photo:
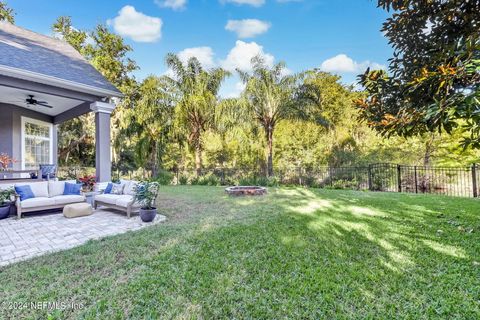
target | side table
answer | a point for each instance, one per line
(90, 196)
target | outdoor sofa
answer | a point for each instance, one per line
(122, 201)
(47, 195)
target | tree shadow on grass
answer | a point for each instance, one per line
(296, 253)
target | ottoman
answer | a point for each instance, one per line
(77, 210)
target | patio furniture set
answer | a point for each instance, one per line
(48, 195)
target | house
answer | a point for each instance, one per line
(44, 82)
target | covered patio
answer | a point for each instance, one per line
(43, 83)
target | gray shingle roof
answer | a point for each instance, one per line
(26, 50)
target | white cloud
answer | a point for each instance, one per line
(344, 64)
(237, 90)
(254, 3)
(241, 55)
(204, 54)
(248, 28)
(173, 4)
(136, 25)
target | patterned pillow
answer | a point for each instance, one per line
(117, 188)
(130, 188)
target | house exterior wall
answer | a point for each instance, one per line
(11, 131)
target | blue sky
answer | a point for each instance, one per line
(340, 36)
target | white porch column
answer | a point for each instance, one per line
(55, 145)
(103, 161)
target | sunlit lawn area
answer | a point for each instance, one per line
(295, 253)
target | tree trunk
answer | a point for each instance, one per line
(269, 151)
(155, 161)
(425, 183)
(428, 151)
(198, 159)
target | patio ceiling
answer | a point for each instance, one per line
(16, 96)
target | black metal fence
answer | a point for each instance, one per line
(386, 177)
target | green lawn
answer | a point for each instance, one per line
(296, 253)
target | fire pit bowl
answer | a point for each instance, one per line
(246, 191)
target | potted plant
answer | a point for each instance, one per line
(88, 182)
(5, 161)
(6, 196)
(145, 194)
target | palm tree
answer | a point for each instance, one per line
(149, 122)
(6, 13)
(268, 98)
(197, 105)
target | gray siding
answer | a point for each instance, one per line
(6, 131)
(11, 130)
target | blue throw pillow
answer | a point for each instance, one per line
(108, 189)
(72, 188)
(25, 192)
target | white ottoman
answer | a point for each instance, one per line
(77, 210)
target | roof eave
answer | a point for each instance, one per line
(62, 83)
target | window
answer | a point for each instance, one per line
(36, 143)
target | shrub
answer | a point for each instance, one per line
(164, 177)
(259, 181)
(195, 181)
(208, 180)
(183, 180)
(345, 184)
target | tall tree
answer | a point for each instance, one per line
(6, 13)
(150, 122)
(198, 102)
(268, 98)
(323, 99)
(108, 53)
(433, 79)
(76, 38)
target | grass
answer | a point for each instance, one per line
(296, 253)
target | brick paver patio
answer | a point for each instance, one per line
(38, 234)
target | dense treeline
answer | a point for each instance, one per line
(280, 122)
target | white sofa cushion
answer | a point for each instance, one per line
(107, 198)
(56, 188)
(124, 201)
(67, 199)
(39, 189)
(5, 186)
(37, 202)
(101, 186)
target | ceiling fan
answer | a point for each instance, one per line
(33, 102)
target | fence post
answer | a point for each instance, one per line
(370, 184)
(330, 172)
(399, 177)
(474, 180)
(416, 182)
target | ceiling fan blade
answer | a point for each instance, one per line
(42, 102)
(44, 105)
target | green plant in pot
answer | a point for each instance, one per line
(146, 194)
(6, 199)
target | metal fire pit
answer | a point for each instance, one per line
(246, 191)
